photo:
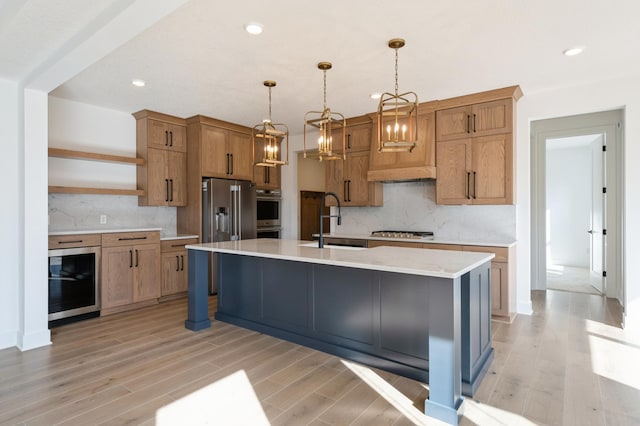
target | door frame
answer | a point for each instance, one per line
(609, 123)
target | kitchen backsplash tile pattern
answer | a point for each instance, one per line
(411, 206)
(80, 211)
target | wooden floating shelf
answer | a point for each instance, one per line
(101, 191)
(81, 155)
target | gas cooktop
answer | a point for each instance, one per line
(403, 234)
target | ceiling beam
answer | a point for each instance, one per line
(117, 24)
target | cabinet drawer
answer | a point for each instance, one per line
(176, 245)
(127, 238)
(502, 253)
(436, 246)
(378, 243)
(68, 241)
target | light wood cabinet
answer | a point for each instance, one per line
(130, 273)
(357, 136)
(161, 141)
(265, 177)
(418, 164)
(226, 154)
(174, 267)
(348, 180)
(486, 118)
(474, 146)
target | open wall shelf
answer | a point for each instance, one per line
(81, 155)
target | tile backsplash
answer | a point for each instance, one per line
(81, 211)
(411, 206)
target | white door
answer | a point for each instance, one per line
(598, 219)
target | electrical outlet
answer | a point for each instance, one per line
(103, 219)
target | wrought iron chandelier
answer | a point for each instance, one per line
(326, 124)
(272, 134)
(397, 115)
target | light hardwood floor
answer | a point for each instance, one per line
(567, 364)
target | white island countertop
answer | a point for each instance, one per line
(415, 261)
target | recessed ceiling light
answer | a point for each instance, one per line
(254, 28)
(138, 82)
(576, 50)
(375, 95)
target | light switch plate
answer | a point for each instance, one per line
(103, 219)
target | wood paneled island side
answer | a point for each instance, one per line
(424, 314)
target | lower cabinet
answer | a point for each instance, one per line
(174, 266)
(502, 272)
(130, 270)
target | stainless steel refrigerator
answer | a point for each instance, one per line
(228, 214)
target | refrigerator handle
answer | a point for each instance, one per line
(238, 211)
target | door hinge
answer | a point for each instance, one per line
(604, 232)
(619, 124)
(604, 148)
(604, 190)
(604, 274)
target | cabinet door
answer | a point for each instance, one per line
(117, 276)
(146, 275)
(490, 118)
(168, 136)
(492, 164)
(157, 178)
(334, 181)
(355, 177)
(174, 272)
(240, 148)
(453, 123)
(358, 137)
(454, 177)
(215, 160)
(177, 174)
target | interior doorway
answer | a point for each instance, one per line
(310, 202)
(574, 213)
(595, 217)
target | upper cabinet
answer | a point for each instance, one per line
(265, 177)
(417, 164)
(487, 118)
(474, 148)
(162, 142)
(348, 178)
(226, 153)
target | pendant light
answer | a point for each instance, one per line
(326, 125)
(271, 135)
(397, 115)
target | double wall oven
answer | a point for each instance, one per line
(268, 213)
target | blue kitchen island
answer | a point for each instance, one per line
(423, 314)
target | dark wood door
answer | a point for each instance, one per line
(310, 214)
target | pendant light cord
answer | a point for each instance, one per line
(324, 102)
(396, 49)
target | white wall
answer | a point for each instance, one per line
(10, 215)
(568, 204)
(84, 127)
(601, 96)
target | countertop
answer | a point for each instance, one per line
(163, 235)
(434, 240)
(415, 261)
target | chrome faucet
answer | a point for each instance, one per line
(339, 216)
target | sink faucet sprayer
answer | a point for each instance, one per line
(339, 216)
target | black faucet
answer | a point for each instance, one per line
(339, 216)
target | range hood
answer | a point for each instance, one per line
(405, 174)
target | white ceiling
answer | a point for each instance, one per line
(199, 60)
